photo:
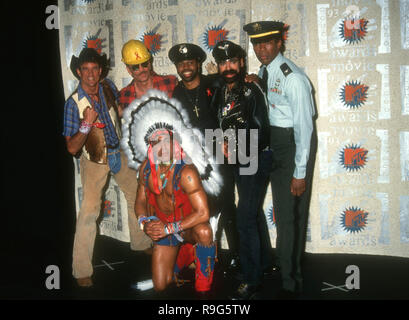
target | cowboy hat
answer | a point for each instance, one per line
(90, 55)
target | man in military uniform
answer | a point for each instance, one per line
(291, 109)
(194, 91)
(241, 107)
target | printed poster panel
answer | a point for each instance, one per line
(355, 54)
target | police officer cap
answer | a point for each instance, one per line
(186, 51)
(264, 30)
(225, 50)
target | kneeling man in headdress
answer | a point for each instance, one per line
(171, 203)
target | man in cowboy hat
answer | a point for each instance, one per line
(174, 180)
(194, 91)
(138, 62)
(291, 111)
(241, 107)
(92, 131)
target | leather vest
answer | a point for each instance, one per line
(95, 147)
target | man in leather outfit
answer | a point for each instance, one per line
(241, 108)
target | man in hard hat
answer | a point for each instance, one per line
(138, 62)
(92, 131)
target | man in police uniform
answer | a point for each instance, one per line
(194, 91)
(193, 88)
(291, 109)
(242, 107)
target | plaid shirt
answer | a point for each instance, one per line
(72, 116)
(162, 83)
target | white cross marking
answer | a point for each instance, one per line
(332, 287)
(109, 265)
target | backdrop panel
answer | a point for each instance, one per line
(356, 56)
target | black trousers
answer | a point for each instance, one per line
(254, 241)
(225, 204)
(291, 213)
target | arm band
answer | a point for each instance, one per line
(143, 219)
(173, 227)
(85, 127)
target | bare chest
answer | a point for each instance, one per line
(165, 200)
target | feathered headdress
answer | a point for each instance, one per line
(154, 112)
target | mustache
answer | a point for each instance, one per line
(227, 72)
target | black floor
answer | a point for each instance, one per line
(117, 269)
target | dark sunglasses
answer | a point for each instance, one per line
(135, 67)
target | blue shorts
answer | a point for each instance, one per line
(169, 240)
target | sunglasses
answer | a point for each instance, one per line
(136, 67)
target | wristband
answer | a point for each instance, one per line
(173, 227)
(85, 127)
(143, 219)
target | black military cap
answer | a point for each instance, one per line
(186, 51)
(225, 50)
(263, 30)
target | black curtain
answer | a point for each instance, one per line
(38, 208)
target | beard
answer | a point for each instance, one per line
(235, 78)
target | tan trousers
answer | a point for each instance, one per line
(94, 178)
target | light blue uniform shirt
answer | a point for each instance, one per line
(291, 106)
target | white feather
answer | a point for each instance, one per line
(155, 107)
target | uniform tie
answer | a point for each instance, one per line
(264, 80)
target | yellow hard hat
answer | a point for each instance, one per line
(135, 52)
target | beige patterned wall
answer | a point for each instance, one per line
(360, 72)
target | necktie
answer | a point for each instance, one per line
(264, 82)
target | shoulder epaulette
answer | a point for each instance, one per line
(285, 69)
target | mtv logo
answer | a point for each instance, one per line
(107, 208)
(355, 29)
(355, 93)
(95, 44)
(355, 218)
(355, 157)
(152, 42)
(215, 36)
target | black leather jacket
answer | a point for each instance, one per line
(249, 111)
(205, 117)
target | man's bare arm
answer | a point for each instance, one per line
(150, 227)
(192, 185)
(140, 202)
